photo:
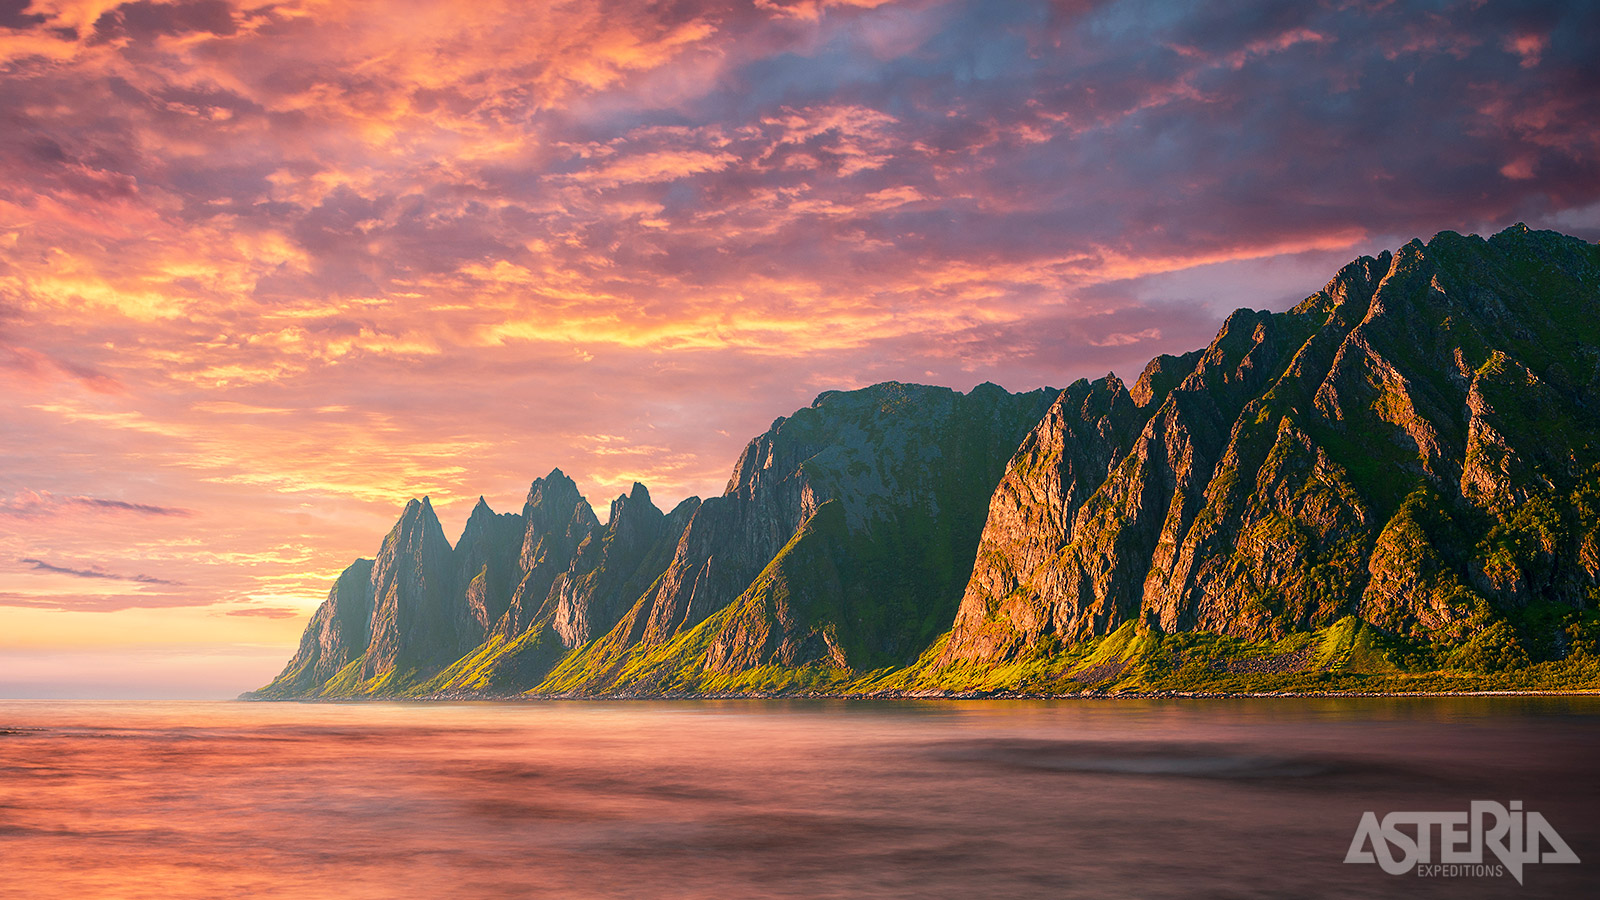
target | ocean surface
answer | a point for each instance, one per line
(736, 799)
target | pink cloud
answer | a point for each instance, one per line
(33, 503)
(267, 612)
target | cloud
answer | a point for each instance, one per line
(42, 366)
(14, 15)
(92, 603)
(35, 503)
(266, 612)
(144, 20)
(1123, 338)
(41, 566)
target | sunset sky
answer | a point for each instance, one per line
(268, 270)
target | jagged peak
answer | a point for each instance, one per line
(637, 498)
(480, 511)
(1364, 271)
(417, 517)
(555, 487)
(1516, 234)
(1448, 242)
(1243, 317)
(901, 389)
(1348, 293)
(1409, 254)
(415, 507)
(1161, 375)
(1238, 330)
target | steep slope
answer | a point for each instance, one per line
(585, 584)
(516, 592)
(415, 624)
(337, 635)
(616, 566)
(388, 620)
(1409, 446)
(557, 520)
(1060, 464)
(911, 468)
(487, 562)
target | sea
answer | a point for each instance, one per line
(1092, 798)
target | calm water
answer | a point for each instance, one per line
(1095, 799)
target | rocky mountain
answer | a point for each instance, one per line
(1414, 446)
(887, 484)
(843, 539)
(1404, 469)
(421, 606)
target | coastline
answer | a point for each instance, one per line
(478, 697)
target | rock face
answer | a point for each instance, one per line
(487, 562)
(844, 537)
(615, 566)
(421, 606)
(556, 521)
(415, 624)
(909, 465)
(1411, 445)
(337, 635)
(1414, 449)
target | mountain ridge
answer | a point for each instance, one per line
(1404, 466)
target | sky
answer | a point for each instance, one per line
(268, 270)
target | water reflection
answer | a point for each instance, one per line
(736, 799)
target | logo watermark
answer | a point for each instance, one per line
(1513, 837)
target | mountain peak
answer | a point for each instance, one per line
(480, 511)
(630, 505)
(418, 517)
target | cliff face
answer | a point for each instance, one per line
(337, 635)
(1410, 452)
(415, 623)
(613, 567)
(911, 468)
(556, 520)
(1409, 446)
(844, 537)
(487, 562)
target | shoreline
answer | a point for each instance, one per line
(917, 695)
